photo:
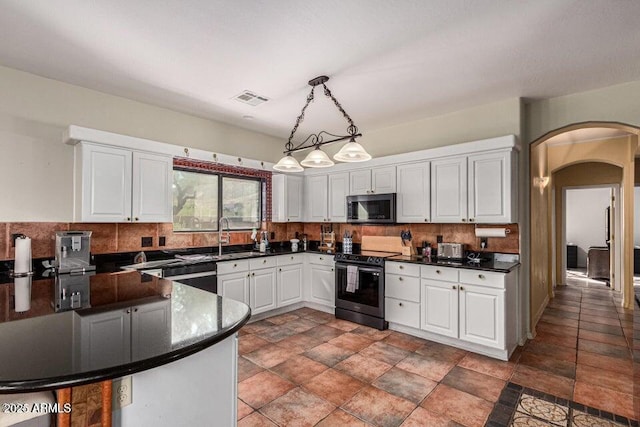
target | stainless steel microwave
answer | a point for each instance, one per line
(372, 209)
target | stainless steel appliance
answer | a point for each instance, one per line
(72, 291)
(372, 209)
(73, 252)
(451, 251)
(363, 302)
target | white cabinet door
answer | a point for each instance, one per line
(482, 315)
(289, 284)
(383, 180)
(323, 288)
(338, 191)
(103, 184)
(150, 329)
(105, 338)
(360, 182)
(286, 198)
(316, 194)
(490, 188)
(234, 286)
(414, 189)
(440, 307)
(294, 198)
(263, 290)
(152, 187)
(449, 190)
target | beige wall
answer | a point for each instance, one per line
(36, 167)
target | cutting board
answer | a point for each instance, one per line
(382, 243)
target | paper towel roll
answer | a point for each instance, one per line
(23, 255)
(491, 232)
(22, 287)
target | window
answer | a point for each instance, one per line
(199, 197)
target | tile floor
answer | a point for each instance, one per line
(308, 368)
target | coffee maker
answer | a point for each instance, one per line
(73, 252)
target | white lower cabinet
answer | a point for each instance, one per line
(262, 290)
(289, 284)
(440, 308)
(235, 286)
(472, 309)
(321, 280)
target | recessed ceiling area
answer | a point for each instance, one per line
(389, 62)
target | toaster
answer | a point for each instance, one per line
(451, 250)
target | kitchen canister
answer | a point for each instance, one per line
(347, 245)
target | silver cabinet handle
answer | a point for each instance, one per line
(332, 269)
(464, 220)
(471, 219)
(253, 274)
(453, 287)
(400, 278)
(136, 219)
(135, 310)
(279, 269)
(461, 288)
(426, 220)
(128, 218)
(128, 310)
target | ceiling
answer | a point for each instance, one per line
(389, 61)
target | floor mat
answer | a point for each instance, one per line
(522, 406)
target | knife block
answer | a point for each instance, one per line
(408, 250)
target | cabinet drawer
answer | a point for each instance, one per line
(402, 268)
(402, 287)
(435, 272)
(290, 259)
(232, 266)
(262, 262)
(483, 278)
(322, 259)
(402, 312)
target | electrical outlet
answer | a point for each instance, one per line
(162, 241)
(122, 392)
(484, 243)
(439, 238)
(147, 242)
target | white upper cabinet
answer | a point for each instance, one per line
(414, 190)
(326, 197)
(152, 187)
(316, 191)
(287, 198)
(379, 180)
(449, 190)
(119, 185)
(477, 188)
(337, 198)
(492, 181)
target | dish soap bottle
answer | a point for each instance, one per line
(263, 245)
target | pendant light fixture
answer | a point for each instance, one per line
(351, 152)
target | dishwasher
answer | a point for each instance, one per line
(200, 275)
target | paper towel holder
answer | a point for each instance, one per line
(16, 236)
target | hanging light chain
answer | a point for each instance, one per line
(352, 129)
(289, 145)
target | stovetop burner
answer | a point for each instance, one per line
(365, 257)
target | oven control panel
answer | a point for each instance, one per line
(360, 259)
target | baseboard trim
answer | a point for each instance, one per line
(532, 334)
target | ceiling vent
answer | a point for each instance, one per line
(250, 98)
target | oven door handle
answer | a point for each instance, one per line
(363, 268)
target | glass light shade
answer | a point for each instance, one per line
(288, 164)
(317, 159)
(352, 152)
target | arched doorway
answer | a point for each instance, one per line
(600, 142)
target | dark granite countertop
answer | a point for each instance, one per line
(485, 265)
(46, 346)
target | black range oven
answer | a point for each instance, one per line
(360, 288)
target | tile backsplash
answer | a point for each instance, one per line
(112, 238)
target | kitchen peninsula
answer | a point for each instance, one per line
(172, 338)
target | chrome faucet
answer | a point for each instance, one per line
(227, 238)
